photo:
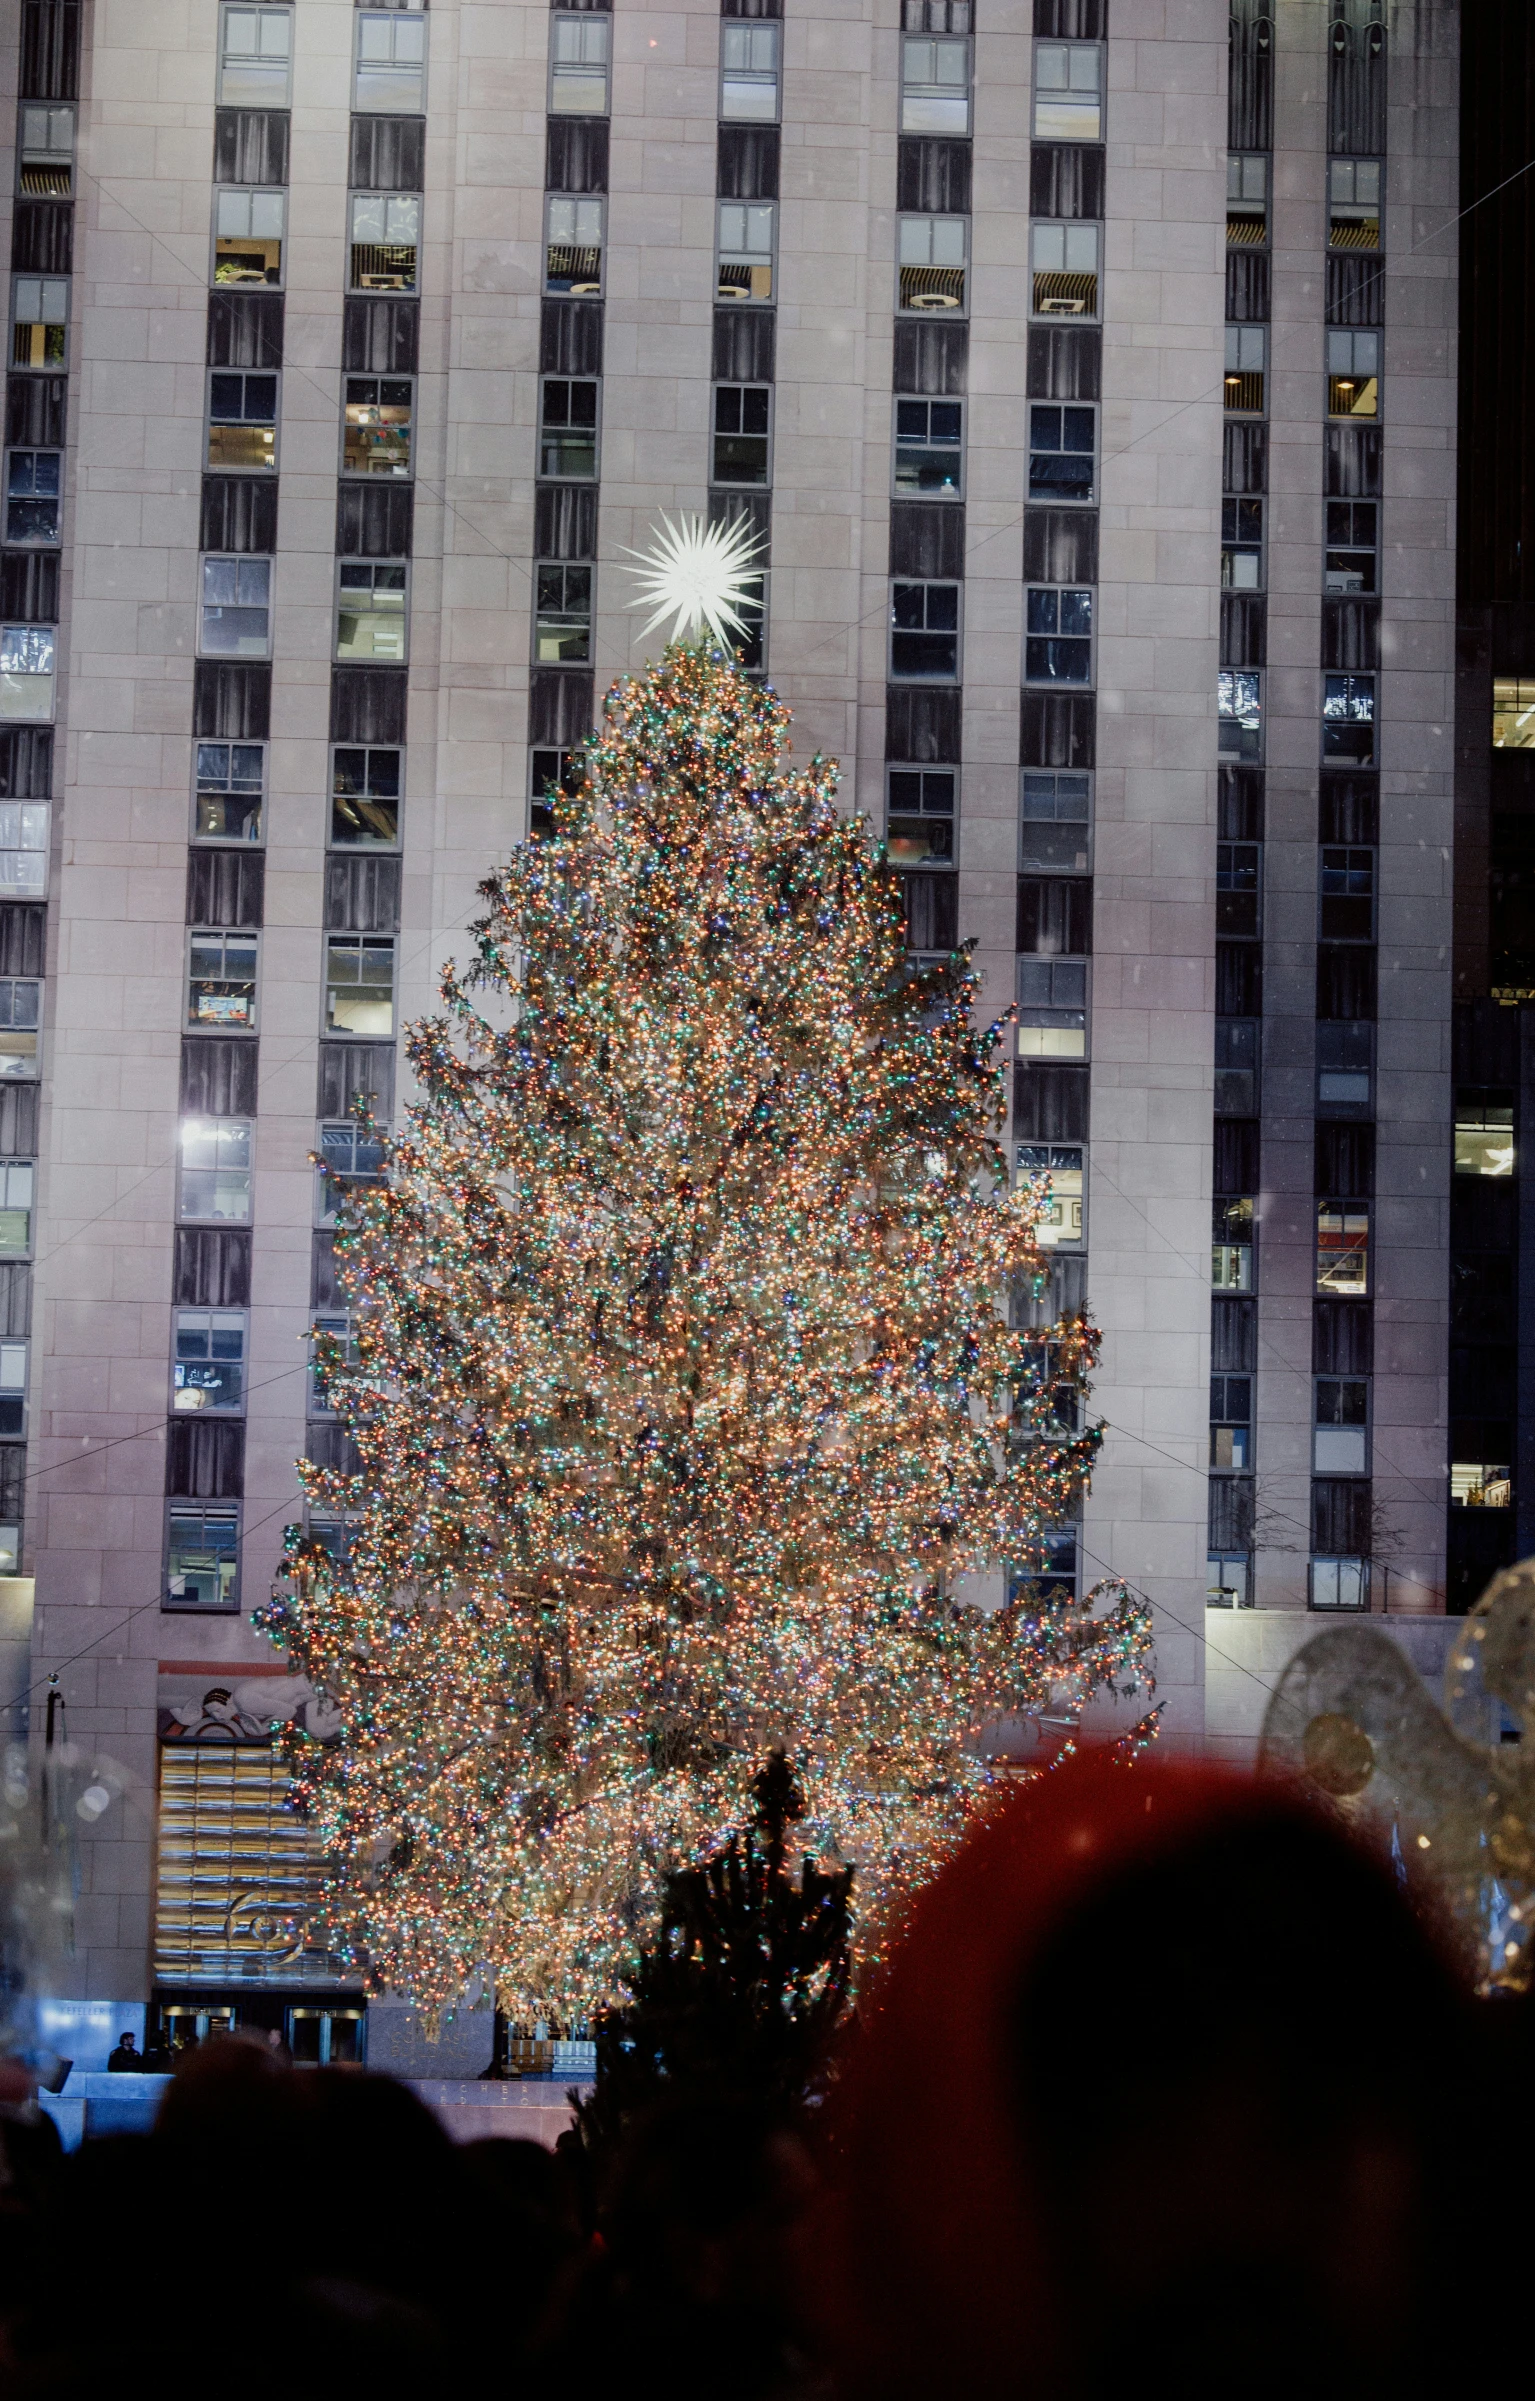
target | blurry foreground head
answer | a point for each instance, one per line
(1161, 2078)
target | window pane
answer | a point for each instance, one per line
(216, 1170)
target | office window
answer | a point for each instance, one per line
(1061, 1225)
(391, 63)
(1348, 719)
(235, 621)
(255, 57)
(1068, 92)
(1054, 821)
(550, 772)
(216, 1170)
(13, 1388)
(1228, 1580)
(351, 1158)
(47, 149)
(578, 66)
(931, 256)
(1353, 534)
(745, 250)
(21, 999)
(1340, 1583)
(749, 73)
(742, 426)
(332, 1347)
(929, 449)
(366, 786)
(1247, 196)
(1237, 868)
(1345, 1055)
(34, 481)
(924, 636)
(1484, 1134)
(1049, 1567)
(370, 609)
(208, 1372)
(573, 246)
(1343, 1248)
(751, 641)
(1231, 1244)
(26, 673)
(1246, 360)
(1353, 203)
(563, 627)
(39, 320)
(221, 982)
(935, 86)
(919, 816)
(1239, 713)
(1348, 894)
(567, 442)
(1061, 444)
(1353, 373)
(16, 1180)
(376, 433)
(386, 241)
(1236, 1066)
(359, 985)
(248, 237)
(1478, 1485)
(1058, 640)
(1242, 545)
(1513, 713)
(202, 1559)
(1340, 1437)
(242, 421)
(230, 782)
(24, 828)
(1064, 261)
(1231, 1421)
(1052, 1009)
(335, 1536)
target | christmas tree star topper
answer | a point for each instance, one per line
(699, 576)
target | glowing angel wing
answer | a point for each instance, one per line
(701, 576)
(1351, 1716)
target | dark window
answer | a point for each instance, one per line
(1236, 887)
(1348, 895)
(34, 481)
(1058, 646)
(568, 428)
(741, 413)
(230, 782)
(1061, 453)
(924, 639)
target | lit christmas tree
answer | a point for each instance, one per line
(684, 1385)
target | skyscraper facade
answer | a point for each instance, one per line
(1086, 371)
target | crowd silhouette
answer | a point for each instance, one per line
(1166, 2077)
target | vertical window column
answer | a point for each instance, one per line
(1344, 1570)
(31, 651)
(1234, 1432)
(746, 291)
(560, 684)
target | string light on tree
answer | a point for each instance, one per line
(684, 1385)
